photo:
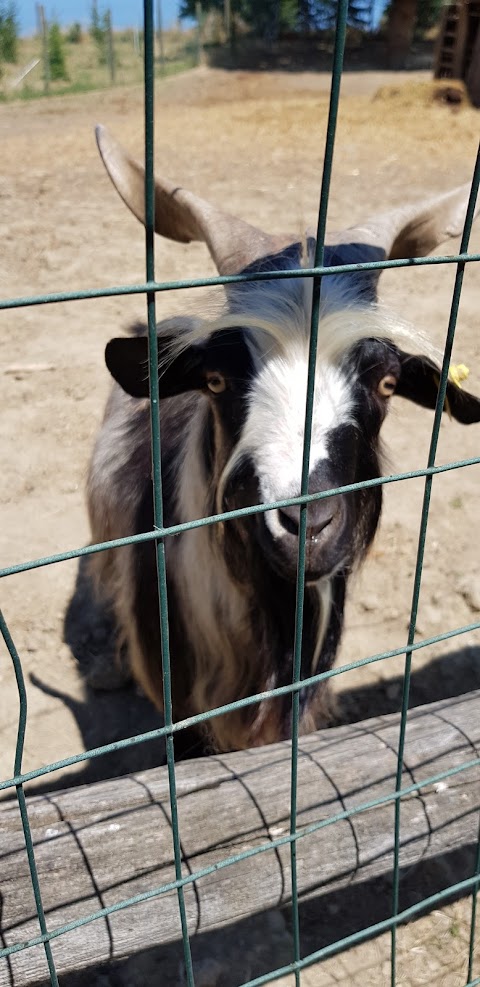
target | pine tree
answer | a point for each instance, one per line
(8, 32)
(56, 53)
(99, 31)
(429, 14)
(300, 15)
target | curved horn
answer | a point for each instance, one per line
(180, 215)
(414, 231)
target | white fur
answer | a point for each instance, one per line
(273, 434)
(324, 589)
(216, 610)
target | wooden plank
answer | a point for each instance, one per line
(24, 72)
(473, 75)
(461, 32)
(97, 845)
(439, 44)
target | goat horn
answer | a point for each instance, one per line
(182, 216)
(414, 231)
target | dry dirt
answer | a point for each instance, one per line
(252, 143)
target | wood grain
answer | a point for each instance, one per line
(97, 845)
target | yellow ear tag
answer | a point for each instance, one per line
(457, 373)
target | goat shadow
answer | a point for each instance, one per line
(105, 717)
(110, 714)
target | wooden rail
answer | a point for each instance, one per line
(99, 844)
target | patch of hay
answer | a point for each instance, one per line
(451, 92)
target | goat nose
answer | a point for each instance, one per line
(319, 514)
(289, 518)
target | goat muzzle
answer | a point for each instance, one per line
(320, 515)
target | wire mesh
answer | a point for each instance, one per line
(296, 833)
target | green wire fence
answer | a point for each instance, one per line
(150, 287)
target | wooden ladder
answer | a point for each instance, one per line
(449, 56)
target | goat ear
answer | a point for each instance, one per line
(414, 231)
(127, 360)
(419, 382)
(182, 216)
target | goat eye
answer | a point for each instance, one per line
(387, 386)
(216, 383)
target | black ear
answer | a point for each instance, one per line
(127, 361)
(419, 382)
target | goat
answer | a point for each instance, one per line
(232, 395)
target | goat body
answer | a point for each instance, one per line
(233, 393)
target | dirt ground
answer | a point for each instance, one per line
(253, 143)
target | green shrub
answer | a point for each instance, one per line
(56, 53)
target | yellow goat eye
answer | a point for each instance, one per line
(216, 383)
(387, 386)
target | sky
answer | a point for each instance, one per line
(125, 13)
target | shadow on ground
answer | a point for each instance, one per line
(109, 716)
(312, 54)
(263, 943)
(445, 677)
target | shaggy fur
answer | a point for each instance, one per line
(231, 617)
(233, 391)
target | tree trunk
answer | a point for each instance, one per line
(400, 28)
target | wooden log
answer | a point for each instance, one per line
(98, 845)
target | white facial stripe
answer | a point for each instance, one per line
(324, 589)
(274, 430)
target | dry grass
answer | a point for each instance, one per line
(423, 94)
(85, 69)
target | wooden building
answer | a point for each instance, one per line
(458, 48)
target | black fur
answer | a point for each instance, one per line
(340, 528)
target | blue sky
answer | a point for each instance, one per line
(125, 13)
